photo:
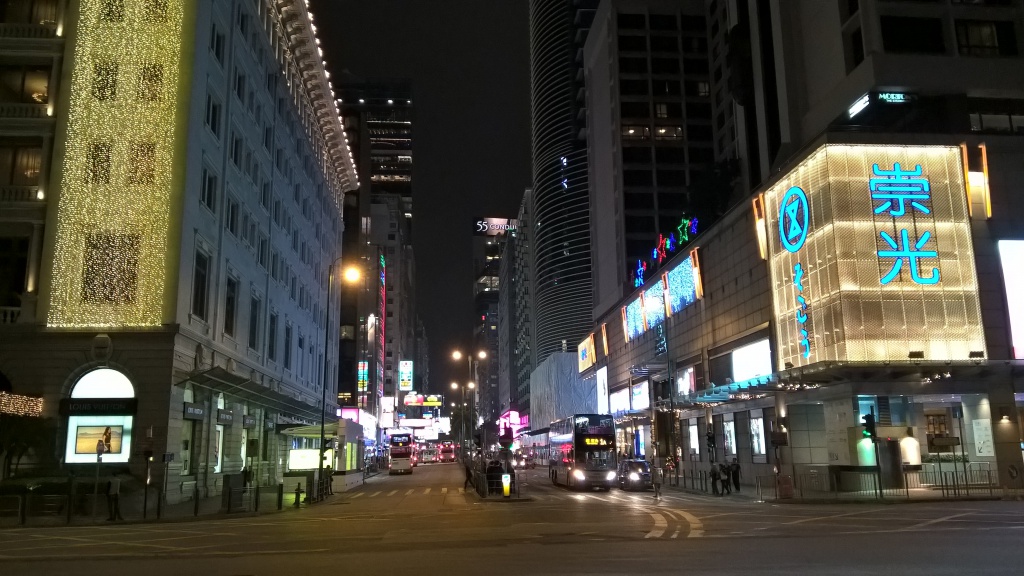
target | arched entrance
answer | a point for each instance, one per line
(100, 414)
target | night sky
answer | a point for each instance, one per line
(469, 64)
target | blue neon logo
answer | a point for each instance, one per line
(794, 219)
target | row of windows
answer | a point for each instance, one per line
(140, 161)
(106, 76)
(656, 87)
(668, 22)
(639, 43)
(982, 38)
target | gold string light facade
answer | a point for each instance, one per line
(116, 182)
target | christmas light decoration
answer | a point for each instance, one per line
(18, 405)
(117, 177)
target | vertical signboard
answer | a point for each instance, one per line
(871, 258)
(405, 375)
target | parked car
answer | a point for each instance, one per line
(635, 475)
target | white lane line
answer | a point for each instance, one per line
(659, 526)
(357, 495)
(392, 493)
(427, 491)
(444, 490)
(619, 498)
(813, 518)
(374, 494)
(675, 534)
(936, 521)
(409, 491)
(696, 526)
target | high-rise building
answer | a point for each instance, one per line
(560, 229)
(379, 312)
(651, 138)
(486, 298)
(521, 307)
(170, 212)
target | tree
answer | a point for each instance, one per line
(22, 436)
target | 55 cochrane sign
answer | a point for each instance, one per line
(494, 226)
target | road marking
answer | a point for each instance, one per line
(427, 491)
(374, 494)
(696, 526)
(357, 495)
(936, 521)
(675, 534)
(462, 490)
(392, 493)
(812, 519)
(409, 491)
(659, 526)
(444, 490)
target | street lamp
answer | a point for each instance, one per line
(351, 275)
(462, 415)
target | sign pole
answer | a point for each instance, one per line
(96, 481)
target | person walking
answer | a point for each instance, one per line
(657, 475)
(726, 484)
(734, 471)
(469, 476)
(715, 475)
(114, 500)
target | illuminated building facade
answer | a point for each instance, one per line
(869, 272)
(192, 180)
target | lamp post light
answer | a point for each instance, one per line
(351, 275)
(462, 415)
(457, 355)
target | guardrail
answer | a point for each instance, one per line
(868, 485)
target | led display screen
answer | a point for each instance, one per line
(871, 258)
(641, 396)
(751, 361)
(1011, 254)
(586, 353)
(405, 375)
(85, 432)
(618, 401)
(602, 391)
(634, 319)
(682, 290)
(654, 305)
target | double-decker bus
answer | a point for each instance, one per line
(582, 449)
(447, 452)
(400, 460)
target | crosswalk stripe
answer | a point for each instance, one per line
(427, 491)
(357, 495)
(392, 493)
(444, 490)
(409, 492)
(374, 494)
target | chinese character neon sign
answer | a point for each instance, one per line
(794, 220)
(894, 189)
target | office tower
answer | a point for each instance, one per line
(560, 230)
(180, 168)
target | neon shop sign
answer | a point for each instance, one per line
(901, 194)
(666, 245)
(794, 220)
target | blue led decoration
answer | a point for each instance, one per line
(801, 312)
(894, 188)
(654, 305)
(638, 274)
(794, 218)
(682, 291)
(911, 256)
(634, 319)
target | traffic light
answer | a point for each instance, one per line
(869, 427)
(711, 442)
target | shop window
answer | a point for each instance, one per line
(730, 437)
(108, 434)
(757, 441)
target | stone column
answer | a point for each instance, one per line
(999, 411)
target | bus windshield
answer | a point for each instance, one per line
(598, 457)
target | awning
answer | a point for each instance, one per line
(221, 380)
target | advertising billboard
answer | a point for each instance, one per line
(494, 226)
(586, 353)
(1011, 255)
(414, 399)
(405, 375)
(871, 258)
(387, 412)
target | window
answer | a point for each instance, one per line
(188, 432)
(217, 42)
(730, 437)
(213, 115)
(632, 22)
(263, 251)
(663, 22)
(200, 285)
(231, 216)
(757, 441)
(97, 160)
(635, 110)
(230, 305)
(636, 132)
(208, 189)
(985, 39)
(636, 155)
(272, 337)
(665, 66)
(240, 85)
(632, 44)
(629, 65)
(668, 133)
(237, 151)
(112, 11)
(111, 268)
(665, 87)
(20, 166)
(661, 110)
(142, 163)
(254, 322)
(637, 178)
(151, 80)
(664, 44)
(288, 346)
(104, 80)
(154, 11)
(912, 35)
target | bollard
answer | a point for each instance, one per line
(159, 504)
(71, 499)
(280, 496)
(22, 509)
(298, 493)
(195, 500)
(256, 495)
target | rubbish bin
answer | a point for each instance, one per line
(784, 486)
(232, 493)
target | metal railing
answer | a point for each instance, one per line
(868, 485)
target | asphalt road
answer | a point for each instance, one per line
(425, 523)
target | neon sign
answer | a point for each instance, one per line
(895, 189)
(666, 245)
(794, 220)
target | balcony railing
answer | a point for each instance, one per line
(9, 314)
(22, 110)
(28, 30)
(10, 193)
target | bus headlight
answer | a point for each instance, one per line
(633, 476)
(610, 476)
(579, 475)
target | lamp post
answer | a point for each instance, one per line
(351, 275)
(457, 355)
(462, 415)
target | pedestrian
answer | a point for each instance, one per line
(656, 478)
(715, 475)
(328, 478)
(469, 475)
(726, 484)
(114, 500)
(734, 471)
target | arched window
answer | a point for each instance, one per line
(103, 383)
(93, 428)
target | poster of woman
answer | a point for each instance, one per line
(87, 438)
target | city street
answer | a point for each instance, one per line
(426, 522)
